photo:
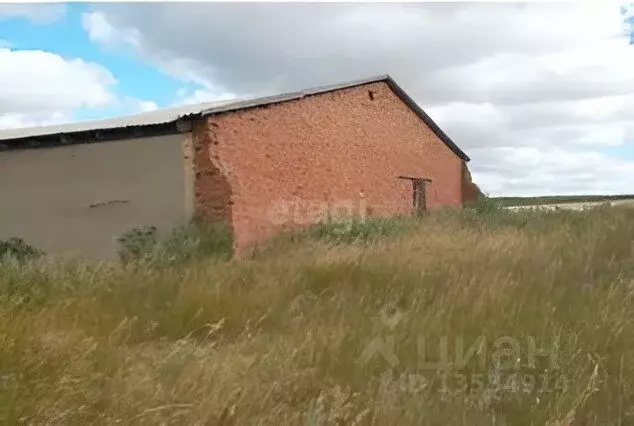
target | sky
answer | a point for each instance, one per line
(539, 95)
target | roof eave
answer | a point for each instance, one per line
(94, 135)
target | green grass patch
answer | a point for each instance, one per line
(191, 242)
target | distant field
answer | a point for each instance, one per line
(559, 199)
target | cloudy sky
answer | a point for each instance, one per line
(539, 95)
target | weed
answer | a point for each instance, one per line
(18, 249)
(182, 244)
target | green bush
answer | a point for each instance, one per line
(137, 243)
(18, 249)
(348, 231)
(360, 230)
(195, 242)
(182, 244)
(486, 205)
(490, 214)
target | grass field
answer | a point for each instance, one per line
(339, 325)
(558, 199)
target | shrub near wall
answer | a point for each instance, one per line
(193, 241)
(18, 249)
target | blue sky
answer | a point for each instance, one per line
(67, 38)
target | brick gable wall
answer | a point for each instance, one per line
(281, 166)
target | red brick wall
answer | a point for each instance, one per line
(470, 191)
(338, 147)
(212, 191)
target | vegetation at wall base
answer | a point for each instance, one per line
(183, 244)
(338, 331)
(18, 249)
(137, 243)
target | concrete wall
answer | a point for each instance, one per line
(77, 199)
(280, 165)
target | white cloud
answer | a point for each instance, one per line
(204, 95)
(36, 13)
(145, 106)
(99, 30)
(552, 171)
(300, 44)
(15, 121)
(598, 69)
(40, 87)
(607, 121)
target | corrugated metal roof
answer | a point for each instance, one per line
(167, 115)
(170, 115)
(159, 116)
(284, 97)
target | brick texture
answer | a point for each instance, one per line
(212, 191)
(470, 191)
(286, 165)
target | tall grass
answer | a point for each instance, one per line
(327, 331)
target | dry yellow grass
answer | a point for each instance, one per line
(315, 333)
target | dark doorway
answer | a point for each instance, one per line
(419, 196)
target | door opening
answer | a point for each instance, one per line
(419, 196)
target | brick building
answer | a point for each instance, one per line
(360, 148)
